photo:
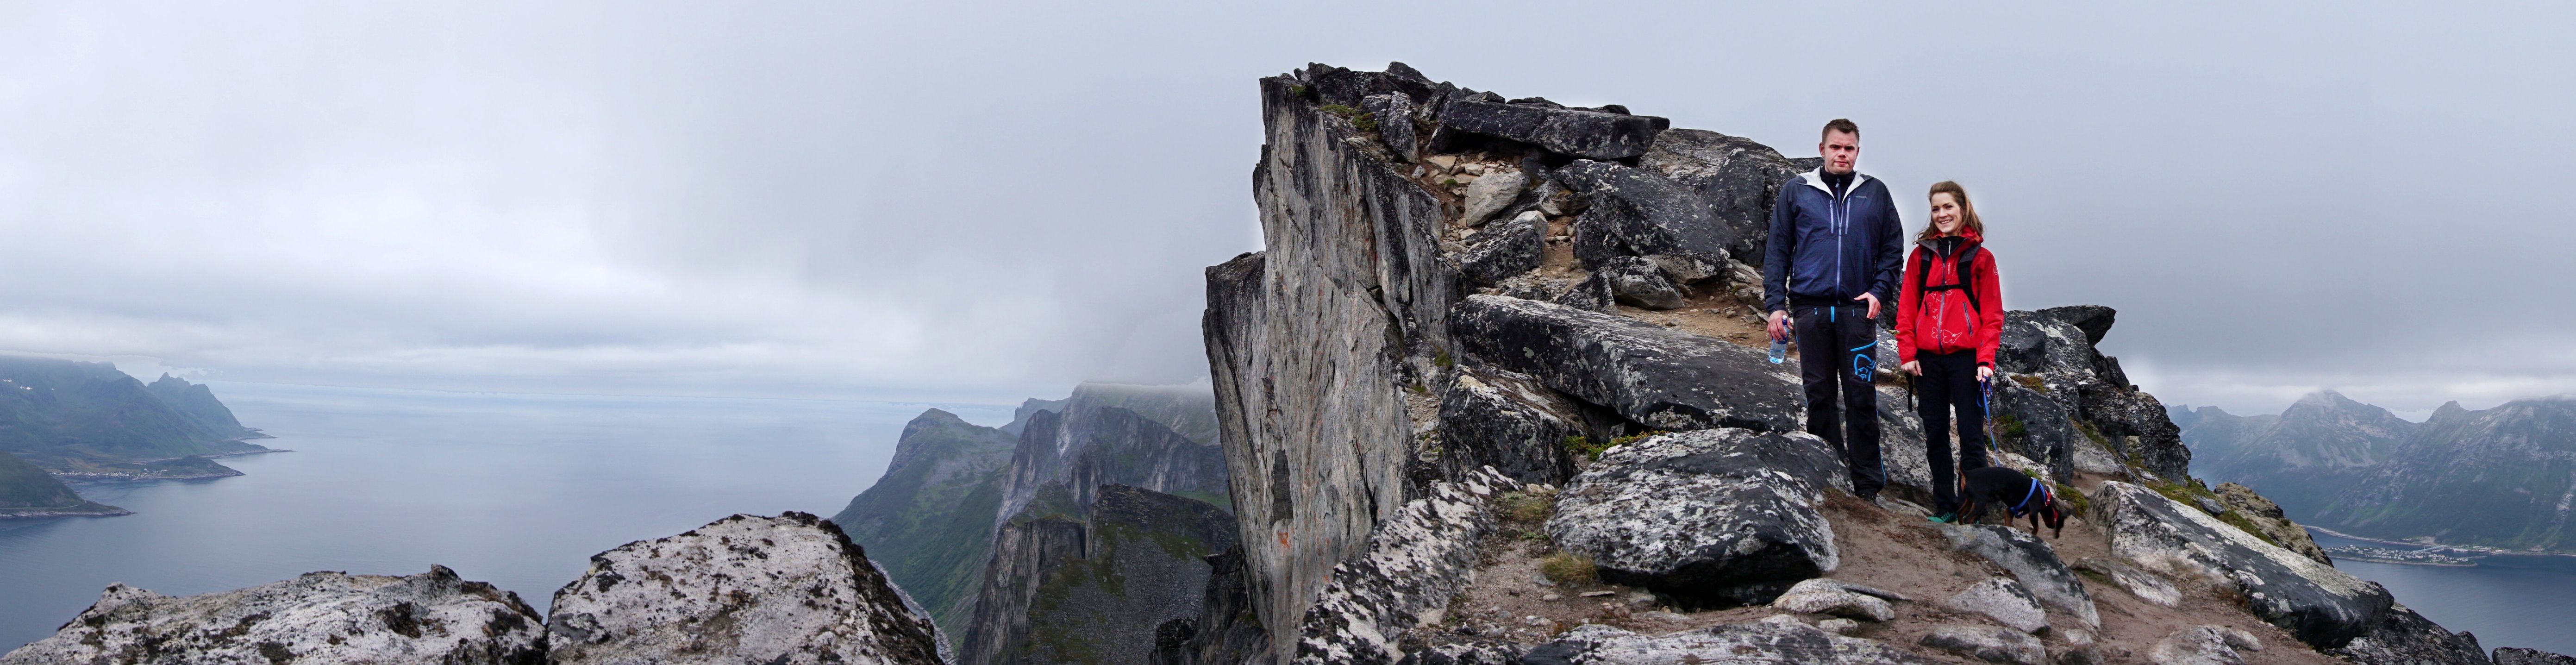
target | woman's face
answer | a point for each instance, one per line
(1945, 213)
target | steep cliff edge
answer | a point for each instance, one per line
(929, 519)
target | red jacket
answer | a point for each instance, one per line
(1944, 322)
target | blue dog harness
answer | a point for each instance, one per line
(2037, 489)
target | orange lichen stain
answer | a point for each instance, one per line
(1283, 539)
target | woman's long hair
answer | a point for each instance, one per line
(1967, 212)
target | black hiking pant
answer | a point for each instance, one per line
(1949, 383)
(1835, 349)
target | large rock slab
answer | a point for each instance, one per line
(1738, 178)
(1636, 212)
(2145, 585)
(1988, 643)
(2322, 606)
(1636, 281)
(789, 589)
(324, 617)
(1490, 417)
(1504, 249)
(2002, 600)
(1826, 596)
(2032, 562)
(1416, 561)
(1581, 133)
(2266, 515)
(2203, 645)
(1661, 378)
(2520, 656)
(2407, 638)
(1735, 643)
(1723, 516)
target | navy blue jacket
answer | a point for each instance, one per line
(1829, 249)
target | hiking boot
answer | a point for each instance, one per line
(1944, 518)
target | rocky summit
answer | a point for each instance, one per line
(325, 617)
(788, 589)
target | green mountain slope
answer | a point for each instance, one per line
(67, 415)
(197, 404)
(929, 520)
(27, 491)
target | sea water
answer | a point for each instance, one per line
(2507, 600)
(516, 490)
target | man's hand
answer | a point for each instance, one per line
(1984, 372)
(1914, 367)
(1779, 325)
(1873, 304)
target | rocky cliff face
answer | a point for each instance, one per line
(1114, 434)
(1095, 591)
(929, 519)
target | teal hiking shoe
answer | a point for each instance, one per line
(1944, 518)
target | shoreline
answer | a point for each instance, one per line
(82, 509)
(2482, 550)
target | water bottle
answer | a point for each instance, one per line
(1779, 349)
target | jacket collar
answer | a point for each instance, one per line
(1966, 237)
(1816, 179)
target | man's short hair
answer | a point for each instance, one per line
(1839, 125)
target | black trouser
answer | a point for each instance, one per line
(1835, 345)
(1948, 383)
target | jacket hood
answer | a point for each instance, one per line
(1816, 179)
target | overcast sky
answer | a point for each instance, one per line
(968, 201)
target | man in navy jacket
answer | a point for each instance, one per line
(1836, 253)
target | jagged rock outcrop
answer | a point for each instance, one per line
(2267, 516)
(1504, 249)
(2033, 563)
(1491, 417)
(1749, 643)
(929, 519)
(2406, 638)
(1582, 133)
(788, 589)
(324, 617)
(2061, 402)
(1637, 282)
(1096, 439)
(1415, 561)
(1096, 591)
(2519, 656)
(1736, 177)
(1226, 631)
(1657, 377)
(1723, 516)
(2320, 605)
(1636, 212)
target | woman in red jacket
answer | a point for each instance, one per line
(1949, 320)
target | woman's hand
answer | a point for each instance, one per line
(1984, 372)
(1914, 367)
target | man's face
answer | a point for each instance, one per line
(1841, 151)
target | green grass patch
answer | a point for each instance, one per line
(1569, 568)
(2031, 382)
(2083, 504)
(1442, 360)
(2012, 428)
(1584, 447)
(1528, 506)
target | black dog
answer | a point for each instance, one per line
(2017, 494)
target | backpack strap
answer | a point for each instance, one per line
(1967, 256)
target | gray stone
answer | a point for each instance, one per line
(1736, 177)
(1664, 379)
(1394, 116)
(1746, 643)
(1448, 649)
(2004, 601)
(1839, 626)
(2094, 320)
(1416, 560)
(1592, 294)
(1490, 417)
(2209, 505)
(2138, 425)
(1636, 281)
(2146, 586)
(2322, 606)
(2203, 645)
(1586, 134)
(319, 617)
(2031, 562)
(2037, 425)
(1723, 516)
(1505, 249)
(1988, 643)
(2407, 638)
(1490, 193)
(1635, 212)
(1824, 596)
(786, 589)
(2520, 656)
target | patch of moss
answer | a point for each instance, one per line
(1441, 359)
(2012, 428)
(2031, 382)
(1528, 506)
(1632, 438)
(1367, 122)
(1583, 446)
(1297, 91)
(1340, 110)
(2083, 504)
(1569, 568)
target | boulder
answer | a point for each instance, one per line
(2137, 425)
(2094, 320)
(1722, 516)
(2146, 586)
(1748, 643)
(2518, 656)
(2323, 607)
(2203, 645)
(1736, 177)
(2407, 638)
(1394, 116)
(1592, 294)
(1451, 649)
(2004, 601)
(1636, 281)
(2031, 562)
(324, 617)
(1494, 418)
(1987, 643)
(2036, 344)
(1416, 561)
(1580, 133)
(2266, 515)
(1490, 193)
(1664, 379)
(1824, 596)
(1635, 212)
(786, 589)
(1504, 249)
(2038, 426)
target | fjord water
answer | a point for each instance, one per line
(2508, 600)
(517, 490)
